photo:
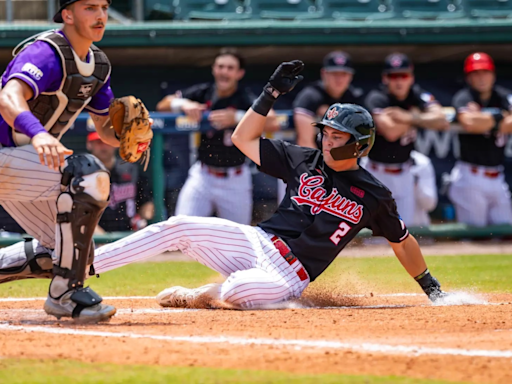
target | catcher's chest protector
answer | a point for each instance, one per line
(80, 82)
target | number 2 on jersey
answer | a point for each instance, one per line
(341, 232)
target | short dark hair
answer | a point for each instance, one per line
(228, 51)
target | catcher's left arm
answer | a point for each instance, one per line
(128, 127)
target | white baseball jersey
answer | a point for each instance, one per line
(425, 188)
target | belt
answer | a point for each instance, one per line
(490, 174)
(222, 172)
(393, 171)
(290, 258)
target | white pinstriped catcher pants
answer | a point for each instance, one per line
(257, 274)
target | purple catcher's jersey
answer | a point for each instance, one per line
(40, 67)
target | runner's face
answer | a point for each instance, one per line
(88, 17)
(332, 138)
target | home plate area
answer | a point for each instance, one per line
(468, 339)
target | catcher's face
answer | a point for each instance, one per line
(227, 72)
(336, 82)
(481, 81)
(88, 18)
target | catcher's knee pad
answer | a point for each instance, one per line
(79, 207)
(38, 263)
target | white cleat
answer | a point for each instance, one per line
(180, 297)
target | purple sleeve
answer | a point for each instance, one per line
(38, 66)
(101, 101)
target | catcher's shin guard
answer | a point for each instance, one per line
(37, 264)
(79, 207)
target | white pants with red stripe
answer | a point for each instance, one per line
(257, 274)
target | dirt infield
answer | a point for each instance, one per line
(382, 335)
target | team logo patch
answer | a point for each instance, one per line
(332, 113)
(340, 60)
(358, 192)
(313, 194)
(142, 147)
(85, 90)
(396, 61)
(32, 70)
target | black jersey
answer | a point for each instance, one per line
(486, 149)
(314, 99)
(323, 210)
(216, 148)
(129, 190)
(399, 151)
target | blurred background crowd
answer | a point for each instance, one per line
(442, 111)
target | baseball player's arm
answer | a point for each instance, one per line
(305, 131)
(248, 132)
(388, 127)
(432, 118)
(177, 104)
(104, 128)
(16, 113)
(476, 121)
(409, 254)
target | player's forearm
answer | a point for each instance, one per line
(409, 254)
(477, 122)
(104, 128)
(250, 128)
(272, 123)
(431, 120)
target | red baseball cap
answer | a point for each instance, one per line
(93, 136)
(478, 61)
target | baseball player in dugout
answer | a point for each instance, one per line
(333, 87)
(478, 188)
(328, 200)
(56, 196)
(220, 181)
(130, 206)
(399, 107)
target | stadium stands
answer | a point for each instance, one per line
(428, 9)
(357, 9)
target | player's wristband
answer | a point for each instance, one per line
(28, 124)
(498, 117)
(263, 104)
(176, 104)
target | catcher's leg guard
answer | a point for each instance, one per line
(25, 260)
(87, 186)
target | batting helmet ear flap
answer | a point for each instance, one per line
(319, 140)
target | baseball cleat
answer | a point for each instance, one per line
(66, 307)
(180, 297)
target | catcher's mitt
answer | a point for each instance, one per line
(130, 120)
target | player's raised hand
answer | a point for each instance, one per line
(285, 78)
(194, 110)
(50, 150)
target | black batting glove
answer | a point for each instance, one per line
(285, 78)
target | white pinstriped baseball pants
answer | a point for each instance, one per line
(257, 274)
(29, 191)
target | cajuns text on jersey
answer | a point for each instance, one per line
(323, 210)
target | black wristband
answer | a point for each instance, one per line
(498, 116)
(263, 104)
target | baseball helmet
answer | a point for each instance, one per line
(478, 61)
(62, 5)
(353, 119)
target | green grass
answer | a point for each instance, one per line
(478, 273)
(15, 371)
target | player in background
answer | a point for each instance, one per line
(478, 188)
(130, 206)
(425, 187)
(57, 199)
(329, 199)
(334, 87)
(220, 181)
(399, 107)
